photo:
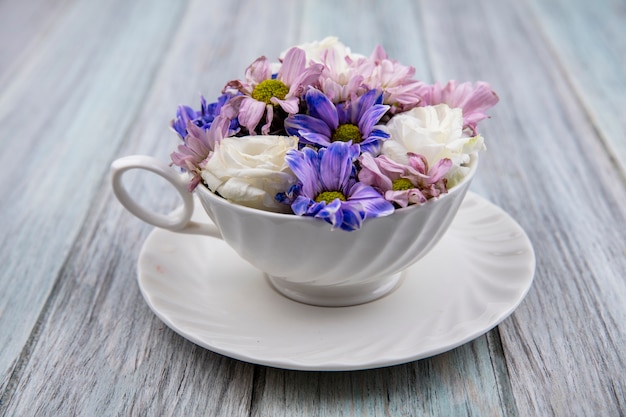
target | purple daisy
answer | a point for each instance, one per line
(198, 146)
(328, 190)
(263, 91)
(202, 118)
(354, 122)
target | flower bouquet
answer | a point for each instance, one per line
(333, 135)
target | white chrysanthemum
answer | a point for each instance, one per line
(436, 132)
(251, 170)
(315, 50)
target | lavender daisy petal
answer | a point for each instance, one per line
(353, 217)
(184, 114)
(336, 165)
(305, 166)
(371, 117)
(320, 107)
(374, 204)
(293, 65)
(301, 205)
(302, 122)
(312, 138)
(365, 102)
(332, 213)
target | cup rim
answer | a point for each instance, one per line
(473, 165)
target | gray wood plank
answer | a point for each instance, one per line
(63, 115)
(100, 351)
(86, 341)
(437, 386)
(96, 331)
(96, 283)
(400, 34)
(22, 25)
(455, 383)
(602, 85)
(546, 165)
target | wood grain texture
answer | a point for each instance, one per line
(92, 81)
(594, 61)
(552, 174)
(63, 115)
(22, 25)
(102, 335)
(459, 382)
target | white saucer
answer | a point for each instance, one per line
(475, 277)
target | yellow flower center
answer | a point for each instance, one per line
(267, 89)
(329, 197)
(347, 132)
(402, 184)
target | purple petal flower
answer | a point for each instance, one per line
(262, 91)
(327, 188)
(395, 80)
(198, 146)
(202, 118)
(184, 114)
(408, 184)
(340, 79)
(354, 122)
(474, 100)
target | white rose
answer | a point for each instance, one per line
(435, 132)
(251, 170)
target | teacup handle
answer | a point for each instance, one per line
(177, 221)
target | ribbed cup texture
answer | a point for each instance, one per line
(305, 250)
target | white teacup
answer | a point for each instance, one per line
(302, 257)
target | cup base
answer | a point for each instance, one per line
(336, 295)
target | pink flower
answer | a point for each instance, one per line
(473, 99)
(260, 93)
(400, 90)
(198, 147)
(408, 184)
(339, 80)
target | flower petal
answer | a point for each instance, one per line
(336, 165)
(295, 124)
(374, 205)
(184, 114)
(372, 172)
(364, 102)
(290, 105)
(440, 169)
(265, 129)
(293, 65)
(305, 166)
(320, 107)
(353, 217)
(370, 117)
(260, 70)
(311, 138)
(308, 77)
(250, 113)
(301, 205)
(332, 213)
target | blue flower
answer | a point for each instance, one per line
(202, 118)
(328, 190)
(353, 121)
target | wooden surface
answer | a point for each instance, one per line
(85, 82)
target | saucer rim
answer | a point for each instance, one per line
(524, 286)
